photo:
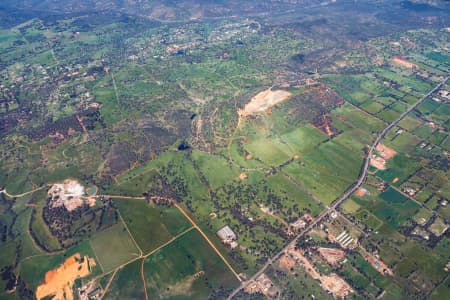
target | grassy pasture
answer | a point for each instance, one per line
(372, 107)
(395, 208)
(20, 228)
(355, 88)
(350, 206)
(186, 269)
(304, 139)
(127, 284)
(151, 225)
(400, 166)
(237, 155)
(134, 183)
(372, 222)
(268, 151)
(413, 83)
(354, 140)
(327, 172)
(216, 169)
(42, 233)
(113, 247)
(403, 142)
(295, 196)
(388, 115)
(410, 122)
(442, 291)
(358, 119)
(40, 230)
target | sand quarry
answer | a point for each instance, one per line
(58, 283)
(264, 101)
(70, 194)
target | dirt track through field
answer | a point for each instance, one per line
(23, 194)
(144, 283)
(208, 240)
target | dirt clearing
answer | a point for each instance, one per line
(331, 255)
(264, 101)
(58, 283)
(400, 61)
(331, 283)
(70, 194)
(242, 176)
(385, 152)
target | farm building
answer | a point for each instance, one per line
(226, 234)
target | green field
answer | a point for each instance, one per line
(270, 152)
(327, 172)
(186, 269)
(151, 225)
(113, 247)
(304, 139)
(127, 283)
(350, 206)
(293, 195)
(217, 170)
(395, 209)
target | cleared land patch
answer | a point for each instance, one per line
(264, 101)
(59, 282)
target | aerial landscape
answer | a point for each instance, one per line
(224, 149)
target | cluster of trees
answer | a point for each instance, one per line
(71, 227)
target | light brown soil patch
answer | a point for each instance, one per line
(332, 283)
(331, 255)
(243, 176)
(58, 283)
(264, 101)
(395, 180)
(400, 61)
(287, 263)
(361, 192)
(249, 156)
(378, 162)
(385, 152)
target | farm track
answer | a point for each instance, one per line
(194, 226)
(208, 240)
(345, 195)
(23, 194)
(143, 279)
(143, 257)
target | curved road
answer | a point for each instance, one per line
(345, 195)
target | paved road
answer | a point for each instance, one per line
(345, 195)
